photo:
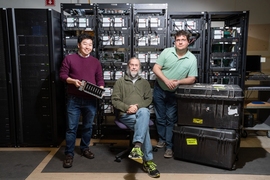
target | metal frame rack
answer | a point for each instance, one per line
(114, 37)
(258, 113)
(227, 44)
(114, 32)
(120, 31)
(149, 35)
(149, 38)
(143, 30)
(77, 18)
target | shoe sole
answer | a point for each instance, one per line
(88, 157)
(137, 159)
(67, 166)
(159, 146)
(153, 176)
(168, 156)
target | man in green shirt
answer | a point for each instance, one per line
(175, 66)
(131, 96)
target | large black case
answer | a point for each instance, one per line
(213, 147)
(210, 105)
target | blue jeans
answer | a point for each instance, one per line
(139, 123)
(77, 107)
(165, 105)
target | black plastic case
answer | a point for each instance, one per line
(213, 147)
(210, 105)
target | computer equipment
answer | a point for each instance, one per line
(253, 63)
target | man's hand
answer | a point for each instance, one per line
(171, 84)
(76, 82)
(132, 109)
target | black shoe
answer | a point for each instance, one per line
(88, 154)
(67, 163)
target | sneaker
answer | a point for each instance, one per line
(168, 153)
(88, 154)
(67, 163)
(160, 144)
(150, 168)
(136, 154)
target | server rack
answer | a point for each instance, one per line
(123, 30)
(196, 24)
(34, 55)
(226, 47)
(7, 119)
(76, 19)
(150, 23)
(149, 35)
(114, 32)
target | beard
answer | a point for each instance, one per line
(133, 75)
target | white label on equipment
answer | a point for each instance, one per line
(233, 111)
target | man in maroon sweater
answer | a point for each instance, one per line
(77, 67)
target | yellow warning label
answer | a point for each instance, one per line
(191, 141)
(219, 87)
(197, 121)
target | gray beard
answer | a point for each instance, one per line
(133, 75)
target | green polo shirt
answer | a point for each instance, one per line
(174, 68)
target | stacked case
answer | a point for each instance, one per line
(209, 123)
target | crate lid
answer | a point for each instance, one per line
(203, 90)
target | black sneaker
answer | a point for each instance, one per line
(150, 168)
(67, 163)
(88, 154)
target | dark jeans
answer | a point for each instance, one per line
(165, 105)
(77, 107)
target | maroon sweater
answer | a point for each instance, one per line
(77, 67)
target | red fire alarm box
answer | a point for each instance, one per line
(49, 3)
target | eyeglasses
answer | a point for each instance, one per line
(180, 40)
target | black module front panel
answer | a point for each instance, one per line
(33, 60)
(35, 67)
(7, 123)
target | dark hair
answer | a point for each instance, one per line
(182, 33)
(83, 36)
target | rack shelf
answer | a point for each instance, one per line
(261, 107)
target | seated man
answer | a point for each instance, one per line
(131, 96)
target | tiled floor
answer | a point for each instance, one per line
(250, 141)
